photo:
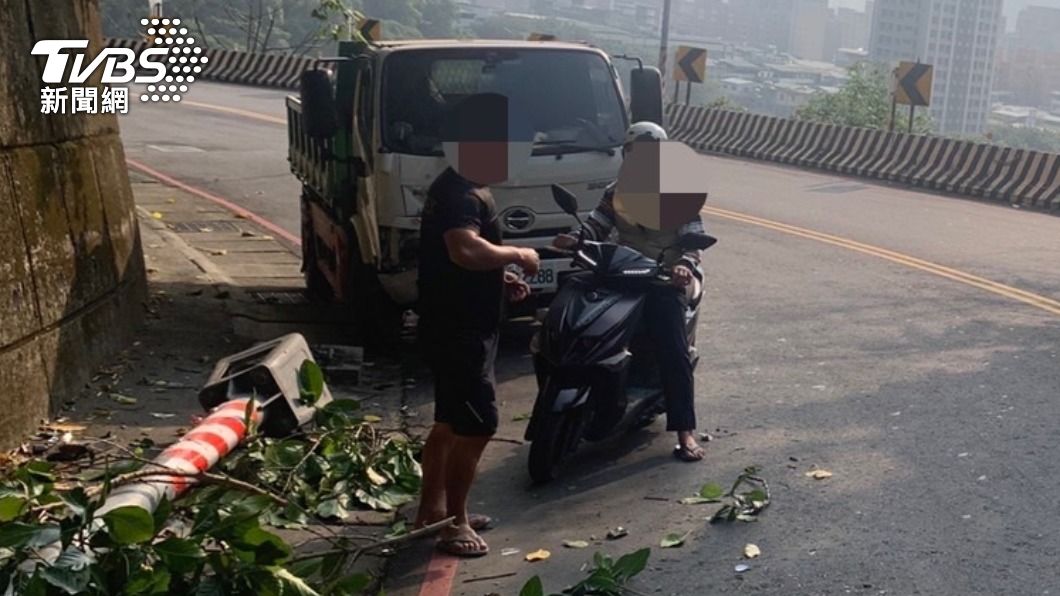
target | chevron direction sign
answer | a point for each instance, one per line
(371, 29)
(913, 83)
(690, 65)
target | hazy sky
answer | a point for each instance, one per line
(1012, 7)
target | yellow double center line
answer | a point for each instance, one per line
(1036, 300)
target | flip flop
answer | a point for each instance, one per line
(685, 454)
(464, 547)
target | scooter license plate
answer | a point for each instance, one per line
(546, 279)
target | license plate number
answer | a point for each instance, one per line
(546, 278)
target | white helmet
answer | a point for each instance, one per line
(645, 131)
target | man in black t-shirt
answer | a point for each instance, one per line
(462, 287)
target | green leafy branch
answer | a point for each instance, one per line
(744, 505)
(607, 577)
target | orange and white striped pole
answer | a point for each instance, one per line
(197, 451)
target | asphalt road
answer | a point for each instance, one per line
(927, 388)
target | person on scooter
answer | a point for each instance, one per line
(665, 306)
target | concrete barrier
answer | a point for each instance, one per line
(72, 280)
(1004, 174)
(233, 66)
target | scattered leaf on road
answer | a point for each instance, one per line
(575, 544)
(673, 540)
(123, 399)
(372, 418)
(538, 555)
(819, 474)
(711, 490)
(520, 417)
(156, 214)
(616, 533)
(751, 551)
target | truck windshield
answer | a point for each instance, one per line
(571, 97)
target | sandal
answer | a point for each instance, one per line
(465, 544)
(689, 454)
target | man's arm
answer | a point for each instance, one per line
(597, 227)
(602, 219)
(473, 252)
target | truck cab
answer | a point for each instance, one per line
(365, 142)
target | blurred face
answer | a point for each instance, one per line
(486, 140)
(660, 185)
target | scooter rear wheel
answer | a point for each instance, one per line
(555, 439)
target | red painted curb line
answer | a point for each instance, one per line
(438, 579)
(240, 211)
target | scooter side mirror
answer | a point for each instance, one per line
(565, 199)
(696, 241)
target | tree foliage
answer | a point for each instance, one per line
(1025, 137)
(298, 26)
(865, 101)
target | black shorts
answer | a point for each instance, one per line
(464, 384)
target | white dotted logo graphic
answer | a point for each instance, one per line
(184, 62)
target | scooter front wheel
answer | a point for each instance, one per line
(555, 439)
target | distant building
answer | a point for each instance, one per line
(847, 28)
(959, 37)
(1028, 62)
(807, 28)
(796, 27)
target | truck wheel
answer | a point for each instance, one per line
(555, 440)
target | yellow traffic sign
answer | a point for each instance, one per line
(690, 64)
(370, 29)
(540, 37)
(913, 83)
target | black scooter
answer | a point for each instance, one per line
(596, 373)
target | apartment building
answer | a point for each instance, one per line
(959, 37)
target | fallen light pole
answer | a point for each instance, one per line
(254, 389)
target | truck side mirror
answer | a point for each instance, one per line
(319, 113)
(645, 86)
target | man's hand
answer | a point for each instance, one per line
(515, 289)
(528, 260)
(681, 276)
(565, 241)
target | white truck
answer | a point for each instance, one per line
(364, 141)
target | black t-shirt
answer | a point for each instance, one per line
(452, 297)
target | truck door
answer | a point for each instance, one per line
(364, 220)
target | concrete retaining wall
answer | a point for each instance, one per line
(71, 268)
(1017, 176)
